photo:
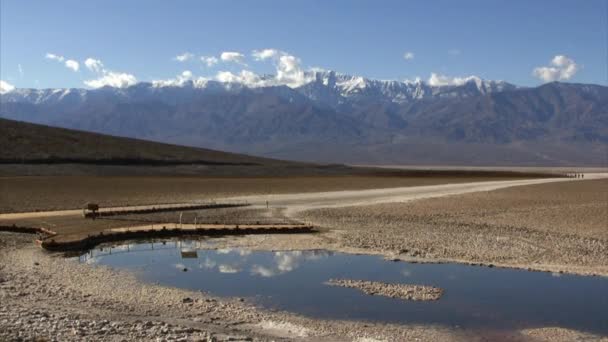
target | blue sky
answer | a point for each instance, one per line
(139, 40)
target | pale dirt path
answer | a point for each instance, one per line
(334, 199)
(72, 212)
(300, 202)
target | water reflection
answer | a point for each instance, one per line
(475, 297)
(281, 263)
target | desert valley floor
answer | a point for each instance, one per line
(542, 224)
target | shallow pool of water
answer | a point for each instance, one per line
(474, 297)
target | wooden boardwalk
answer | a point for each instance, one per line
(83, 242)
(146, 209)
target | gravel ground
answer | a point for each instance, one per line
(552, 227)
(401, 291)
(45, 297)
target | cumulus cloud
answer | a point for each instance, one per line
(93, 64)
(287, 261)
(179, 80)
(6, 87)
(69, 63)
(226, 268)
(107, 77)
(246, 77)
(289, 71)
(437, 80)
(560, 68)
(288, 68)
(234, 57)
(72, 64)
(209, 60)
(54, 57)
(263, 271)
(184, 57)
(408, 56)
(112, 79)
(260, 55)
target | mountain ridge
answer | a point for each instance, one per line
(555, 123)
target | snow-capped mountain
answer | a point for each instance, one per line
(327, 87)
(334, 88)
(338, 117)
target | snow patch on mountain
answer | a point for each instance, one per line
(322, 86)
(6, 87)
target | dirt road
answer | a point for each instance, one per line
(300, 202)
(304, 201)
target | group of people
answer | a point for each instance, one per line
(576, 175)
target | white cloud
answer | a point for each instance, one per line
(72, 64)
(288, 70)
(209, 60)
(290, 73)
(184, 57)
(263, 271)
(561, 68)
(437, 80)
(408, 56)
(179, 80)
(93, 64)
(287, 261)
(234, 57)
(20, 68)
(225, 268)
(260, 55)
(54, 57)
(6, 87)
(246, 77)
(454, 52)
(112, 79)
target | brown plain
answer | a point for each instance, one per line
(37, 193)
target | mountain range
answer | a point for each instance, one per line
(343, 118)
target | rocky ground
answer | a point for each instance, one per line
(44, 297)
(49, 298)
(557, 227)
(401, 291)
(552, 227)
